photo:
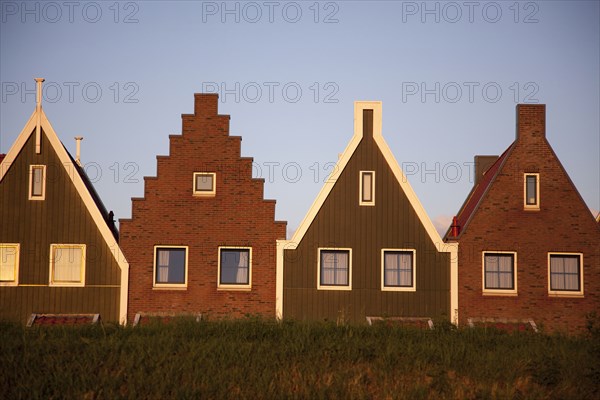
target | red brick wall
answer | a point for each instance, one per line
(169, 214)
(563, 224)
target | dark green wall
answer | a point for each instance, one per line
(391, 223)
(61, 218)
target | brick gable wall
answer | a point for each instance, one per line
(169, 214)
(563, 224)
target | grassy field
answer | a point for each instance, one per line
(250, 359)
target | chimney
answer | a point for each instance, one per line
(454, 228)
(367, 123)
(482, 164)
(531, 121)
(38, 111)
(78, 140)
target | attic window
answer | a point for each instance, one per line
(532, 191)
(37, 182)
(204, 183)
(367, 188)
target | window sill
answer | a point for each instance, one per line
(570, 295)
(398, 289)
(204, 194)
(234, 289)
(346, 288)
(499, 293)
(531, 209)
(169, 288)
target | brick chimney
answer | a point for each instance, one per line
(531, 121)
(482, 164)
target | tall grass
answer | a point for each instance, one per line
(253, 358)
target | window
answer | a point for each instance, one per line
(170, 267)
(335, 269)
(500, 272)
(67, 265)
(204, 183)
(235, 268)
(37, 182)
(564, 274)
(398, 270)
(532, 191)
(9, 264)
(367, 188)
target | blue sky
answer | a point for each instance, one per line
(449, 75)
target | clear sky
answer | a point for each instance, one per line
(449, 75)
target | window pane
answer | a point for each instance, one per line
(235, 267)
(565, 273)
(67, 264)
(8, 260)
(335, 267)
(204, 183)
(367, 186)
(499, 271)
(37, 181)
(398, 269)
(170, 265)
(531, 190)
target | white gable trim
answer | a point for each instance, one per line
(435, 237)
(91, 206)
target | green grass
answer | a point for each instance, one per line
(253, 358)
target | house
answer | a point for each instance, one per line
(366, 248)
(529, 247)
(58, 249)
(202, 239)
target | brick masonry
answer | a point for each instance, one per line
(563, 224)
(169, 214)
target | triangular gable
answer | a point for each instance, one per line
(343, 161)
(80, 186)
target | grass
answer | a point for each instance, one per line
(253, 359)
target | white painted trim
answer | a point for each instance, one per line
(334, 287)
(17, 247)
(566, 293)
(82, 265)
(499, 292)
(413, 287)
(281, 246)
(159, 285)
(30, 188)
(234, 286)
(531, 207)
(204, 193)
(360, 188)
(91, 206)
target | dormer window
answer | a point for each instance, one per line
(205, 184)
(37, 182)
(532, 191)
(367, 188)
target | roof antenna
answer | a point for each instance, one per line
(78, 139)
(38, 111)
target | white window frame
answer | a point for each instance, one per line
(499, 292)
(566, 293)
(537, 190)
(334, 287)
(234, 286)
(16, 247)
(360, 191)
(169, 286)
(412, 288)
(30, 189)
(205, 193)
(55, 246)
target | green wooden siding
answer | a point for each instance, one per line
(391, 223)
(61, 218)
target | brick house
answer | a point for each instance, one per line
(202, 239)
(529, 247)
